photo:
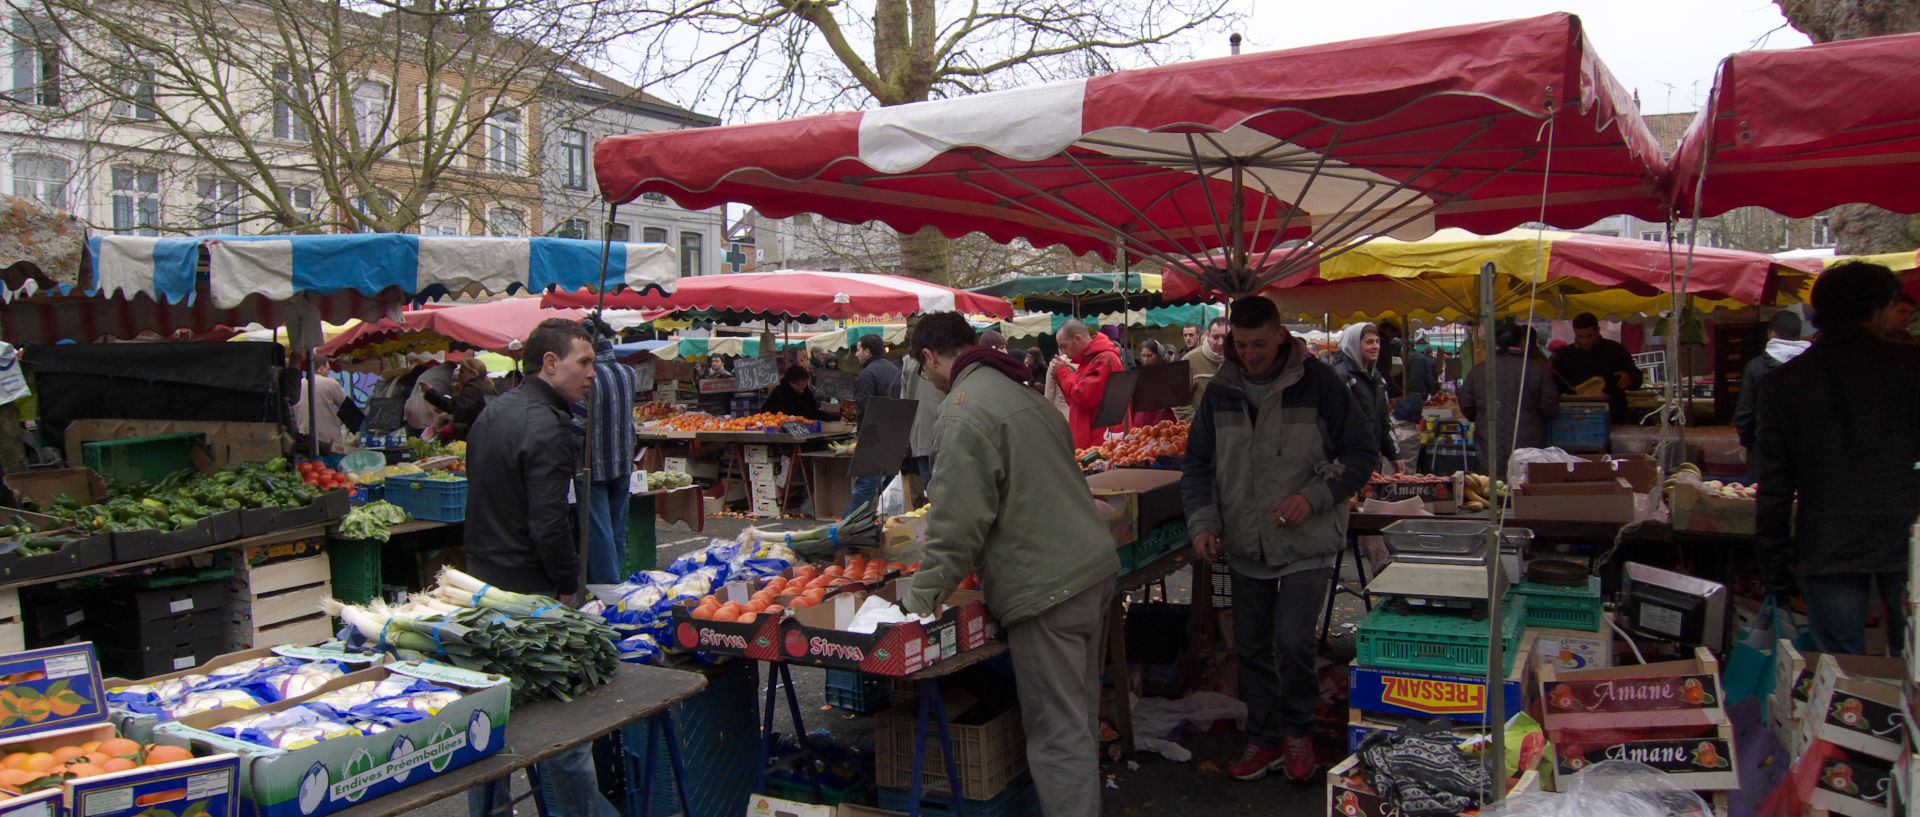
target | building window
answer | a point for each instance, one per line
(573, 143)
(619, 232)
(372, 101)
(656, 198)
(289, 102)
(136, 88)
(136, 201)
(653, 235)
(503, 142)
(42, 178)
(506, 221)
(36, 61)
(1653, 235)
(1822, 233)
(364, 206)
(1682, 237)
(574, 228)
(448, 217)
(690, 254)
(219, 208)
(301, 198)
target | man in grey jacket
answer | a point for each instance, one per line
(1276, 449)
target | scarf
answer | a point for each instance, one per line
(1207, 351)
(1006, 364)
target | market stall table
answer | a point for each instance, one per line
(832, 486)
(736, 461)
(540, 731)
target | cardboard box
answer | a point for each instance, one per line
(139, 726)
(43, 803)
(1573, 650)
(1438, 496)
(902, 537)
(1120, 510)
(1430, 694)
(1855, 712)
(341, 772)
(227, 443)
(1603, 501)
(758, 639)
(818, 636)
(763, 805)
(719, 385)
(1794, 670)
(43, 486)
(1641, 472)
(1693, 509)
(1669, 715)
(1159, 491)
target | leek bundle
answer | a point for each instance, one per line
(548, 649)
(821, 542)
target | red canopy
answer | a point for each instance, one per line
(496, 326)
(1395, 135)
(835, 295)
(1803, 130)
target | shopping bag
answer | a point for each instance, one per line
(1749, 669)
(1757, 755)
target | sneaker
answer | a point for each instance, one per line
(1256, 761)
(1298, 760)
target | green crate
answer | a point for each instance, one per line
(1394, 636)
(142, 459)
(859, 792)
(642, 536)
(356, 569)
(1169, 537)
(1556, 606)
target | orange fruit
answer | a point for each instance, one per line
(85, 770)
(15, 778)
(802, 603)
(118, 747)
(756, 606)
(118, 764)
(725, 614)
(14, 761)
(157, 755)
(41, 762)
(67, 753)
(773, 608)
(748, 617)
(90, 745)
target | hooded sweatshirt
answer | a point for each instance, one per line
(1746, 412)
(1086, 385)
(1368, 385)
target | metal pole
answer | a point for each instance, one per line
(583, 481)
(1495, 695)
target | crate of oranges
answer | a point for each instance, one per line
(742, 618)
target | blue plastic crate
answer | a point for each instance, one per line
(439, 500)
(367, 494)
(719, 731)
(1580, 425)
(1020, 799)
(857, 692)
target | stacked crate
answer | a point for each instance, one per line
(13, 636)
(146, 626)
(282, 588)
(1669, 715)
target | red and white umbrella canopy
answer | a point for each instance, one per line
(800, 293)
(496, 326)
(1480, 126)
(1802, 130)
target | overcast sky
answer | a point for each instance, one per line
(1665, 49)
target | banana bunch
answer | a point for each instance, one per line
(1478, 492)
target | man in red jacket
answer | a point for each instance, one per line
(1083, 367)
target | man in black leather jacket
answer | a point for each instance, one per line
(1840, 433)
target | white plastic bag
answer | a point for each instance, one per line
(13, 384)
(1522, 457)
(893, 499)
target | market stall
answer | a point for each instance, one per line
(1079, 294)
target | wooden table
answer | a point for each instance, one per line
(737, 441)
(541, 731)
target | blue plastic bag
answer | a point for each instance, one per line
(1749, 670)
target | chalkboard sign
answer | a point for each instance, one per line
(755, 373)
(833, 384)
(643, 376)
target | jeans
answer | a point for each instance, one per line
(1273, 637)
(607, 531)
(1837, 610)
(921, 467)
(570, 776)
(866, 490)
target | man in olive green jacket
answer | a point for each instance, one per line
(1008, 501)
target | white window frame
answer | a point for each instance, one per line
(136, 200)
(302, 201)
(692, 261)
(621, 231)
(42, 188)
(1653, 235)
(494, 214)
(506, 141)
(575, 172)
(442, 214)
(654, 235)
(372, 130)
(289, 90)
(218, 208)
(1820, 232)
(36, 70)
(137, 88)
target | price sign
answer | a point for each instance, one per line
(797, 428)
(833, 384)
(754, 373)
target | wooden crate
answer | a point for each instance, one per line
(13, 633)
(278, 602)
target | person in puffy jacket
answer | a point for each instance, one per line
(1086, 363)
(1783, 344)
(1357, 361)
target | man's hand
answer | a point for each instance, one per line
(1207, 547)
(571, 600)
(1623, 379)
(1399, 466)
(1292, 512)
(1062, 361)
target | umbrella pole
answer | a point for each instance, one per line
(1496, 702)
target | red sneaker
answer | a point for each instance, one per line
(1256, 761)
(1299, 761)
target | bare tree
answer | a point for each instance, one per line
(784, 57)
(973, 259)
(1860, 228)
(313, 115)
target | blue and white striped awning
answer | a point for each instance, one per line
(279, 267)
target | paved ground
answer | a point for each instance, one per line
(1148, 786)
